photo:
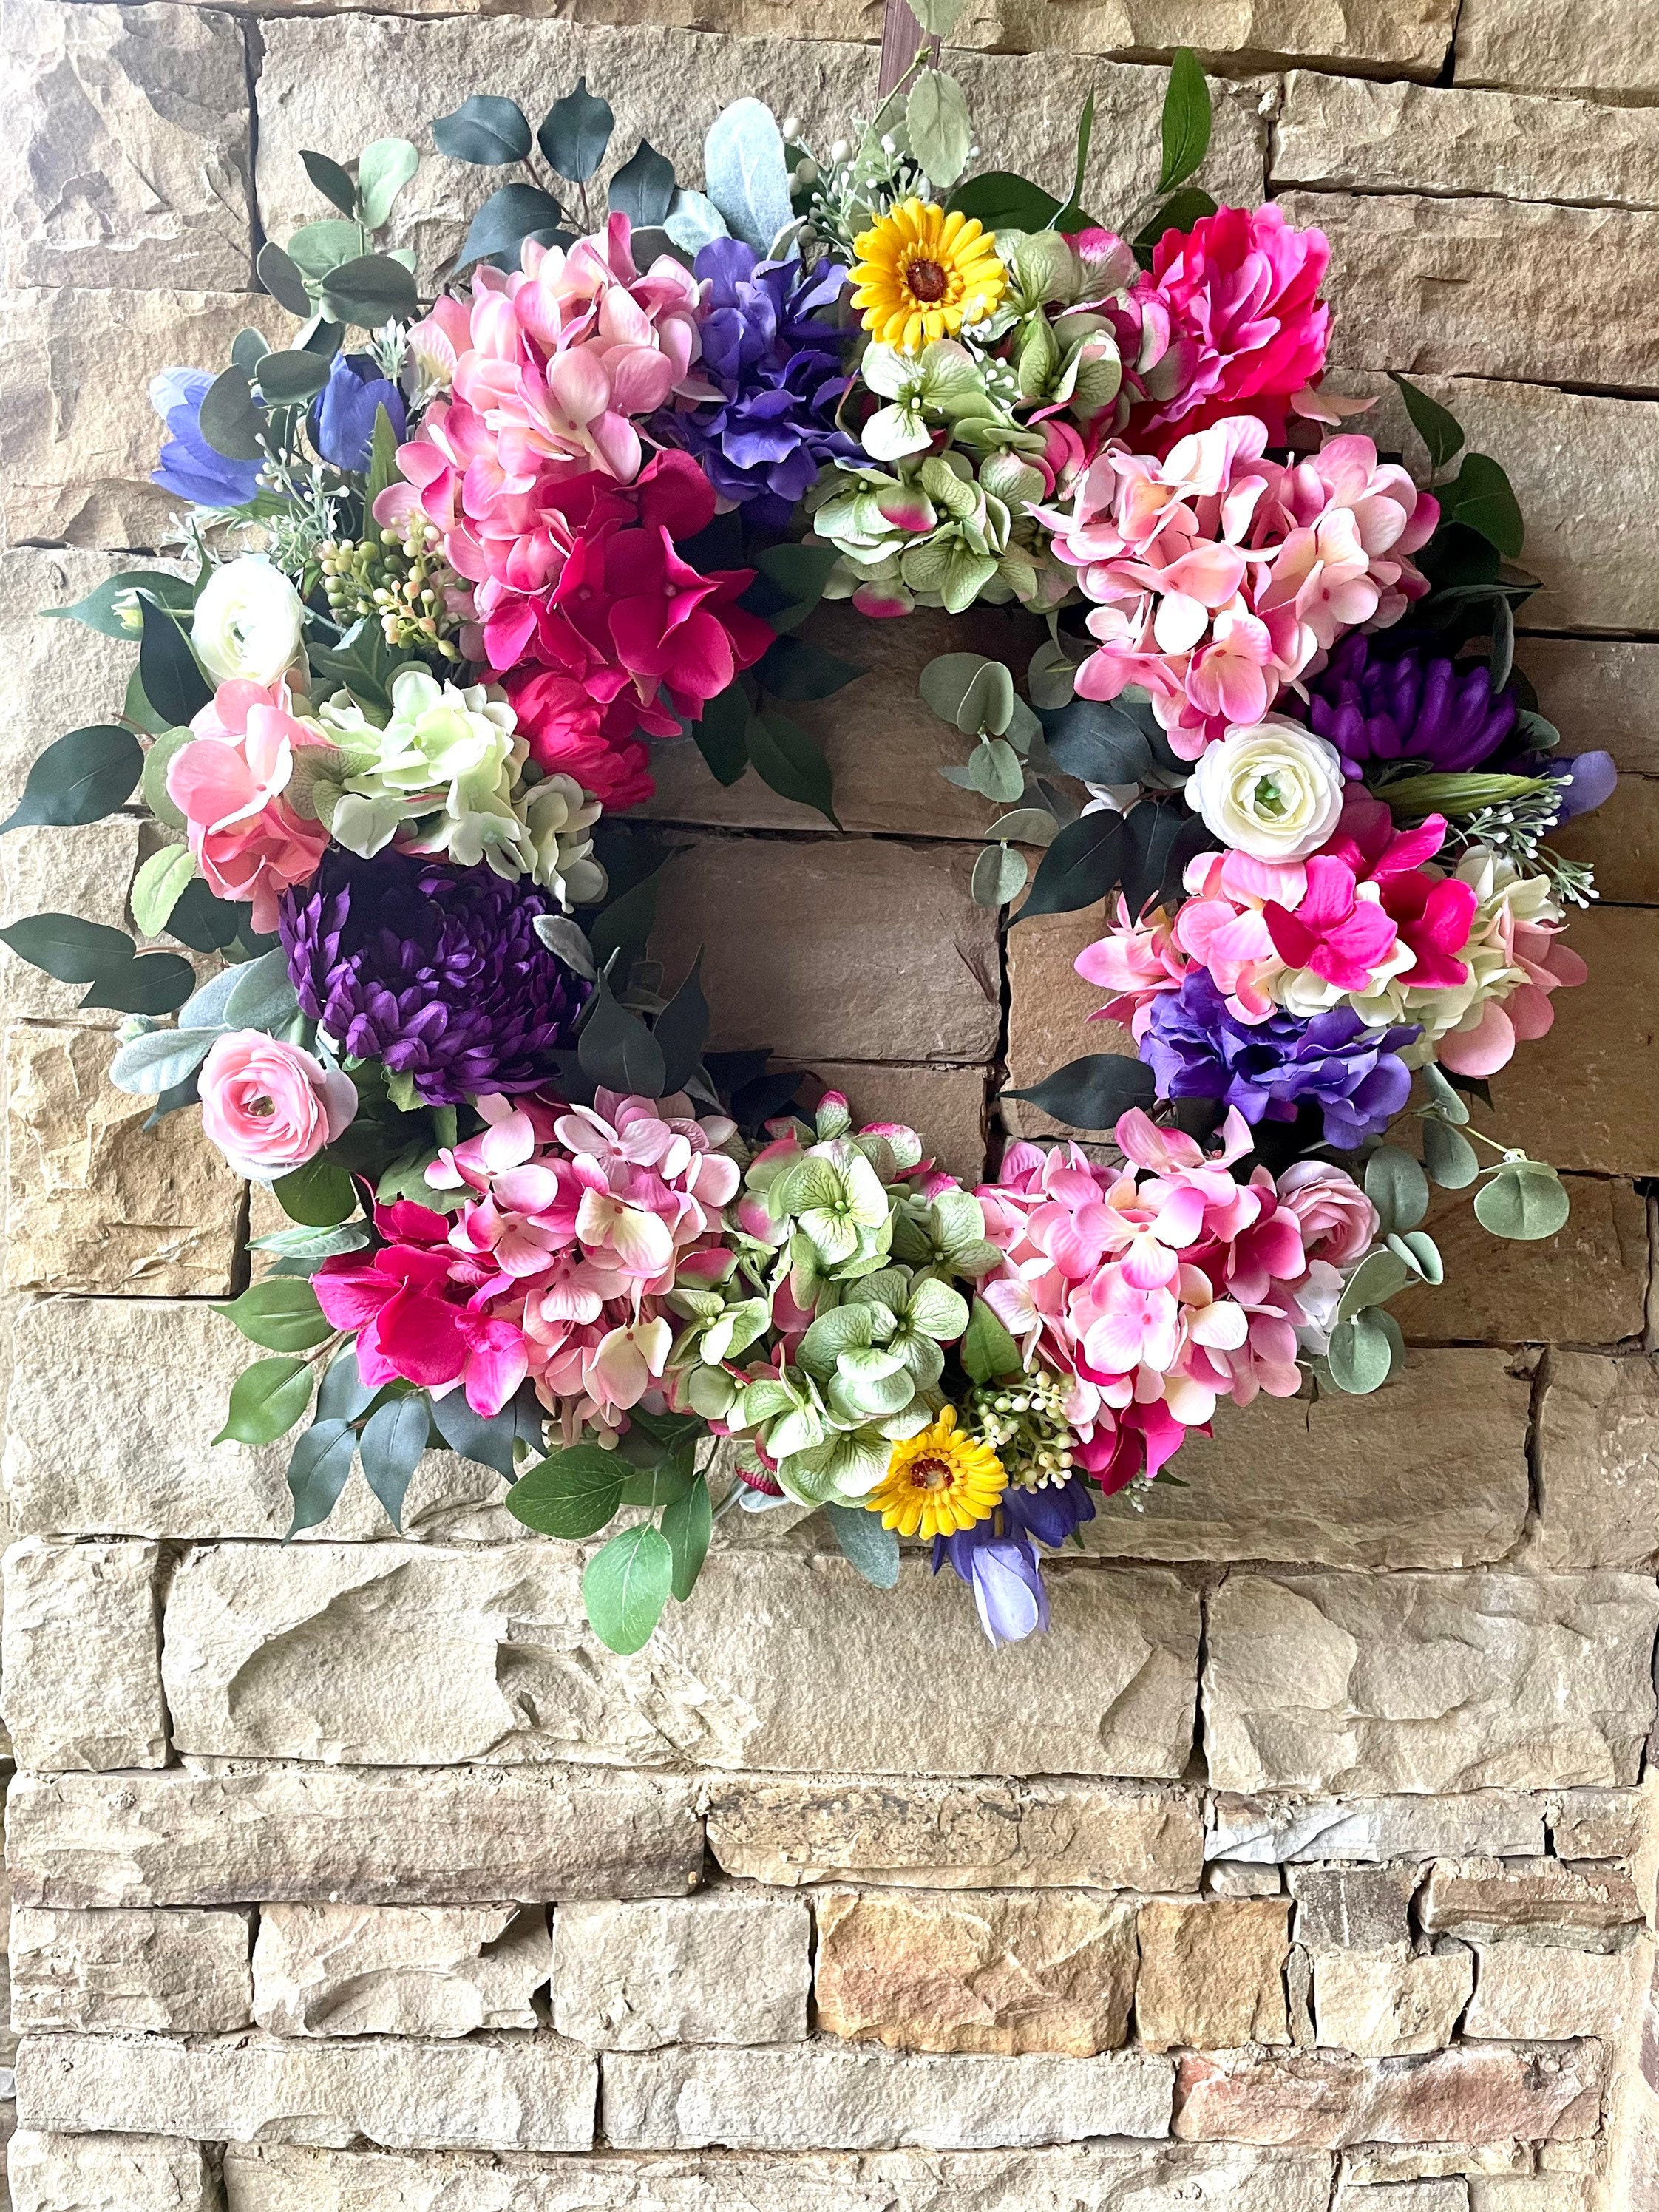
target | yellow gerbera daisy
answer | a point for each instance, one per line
(938, 1482)
(921, 274)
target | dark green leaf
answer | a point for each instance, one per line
(318, 1471)
(485, 130)
(173, 684)
(288, 379)
(1179, 212)
(687, 1526)
(390, 1447)
(616, 1049)
(790, 668)
(80, 778)
(1070, 215)
(626, 1586)
(330, 180)
(1091, 1093)
(112, 609)
(1437, 426)
(720, 735)
(575, 133)
(324, 339)
(228, 419)
(571, 1493)
(154, 983)
(1085, 863)
(489, 1442)
(249, 348)
(67, 947)
(369, 291)
(284, 280)
(265, 1401)
(383, 458)
(507, 218)
(656, 1485)
(681, 1031)
(1002, 201)
(1162, 836)
(797, 575)
(282, 1315)
(642, 189)
(203, 922)
(791, 762)
(1501, 665)
(1480, 498)
(873, 1549)
(1185, 120)
(624, 926)
(320, 1194)
(1097, 741)
(344, 1395)
(987, 1349)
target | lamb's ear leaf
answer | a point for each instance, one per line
(872, 1548)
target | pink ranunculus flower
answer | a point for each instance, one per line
(1339, 1221)
(270, 1106)
(229, 782)
(1238, 294)
(1218, 575)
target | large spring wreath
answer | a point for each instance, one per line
(452, 566)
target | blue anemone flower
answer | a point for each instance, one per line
(187, 466)
(343, 414)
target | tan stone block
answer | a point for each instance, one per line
(389, 1835)
(85, 871)
(1369, 1829)
(83, 1667)
(1451, 2195)
(1382, 2004)
(1468, 2094)
(1049, 1006)
(109, 2173)
(1598, 1824)
(894, 963)
(500, 2093)
(436, 1970)
(1377, 2165)
(1598, 1465)
(1103, 2176)
(53, 673)
(1590, 1907)
(76, 427)
(970, 1835)
(1450, 286)
(345, 81)
(126, 153)
(1213, 1972)
(1352, 132)
(1430, 1472)
(997, 1972)
(885, 747)
(836, 2097)
(1426, 1683)
(1599, 692)
(1619, 842)
(1527, 1993)
(945, 1106)
(1540, 2192)
(1353, 1908)
(94, 1200)
(1242, 1878)
(731, 1966)
(375, 1655)
(1586, 1284)
(1602, 46)
(184, 1973)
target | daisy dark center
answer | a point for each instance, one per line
(931, 1474)
(928, 281)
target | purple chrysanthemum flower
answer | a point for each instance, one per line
(1198, 1048)
(1377, 704)
(780, 367)
(437, 972)
(999, 1562)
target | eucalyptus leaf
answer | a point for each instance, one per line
(1525, 1202)
(228, 419)
(371, 290)
(290, 379)
(1397, 1186)
(966, 689)
(1026, 825)
(320, 247)
(1447, 1154)
(330, 180)
(999, 876)
(1361, 1354)
(284, 278)
(383, 169)
(938, 17)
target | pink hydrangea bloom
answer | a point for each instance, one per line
(1155, 1289)
(228, 781)
(1137, 962)
(1217, 574)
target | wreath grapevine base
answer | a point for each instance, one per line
(453, 565)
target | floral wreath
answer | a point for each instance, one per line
(453, 567)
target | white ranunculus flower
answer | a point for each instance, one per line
(1272, 790)
(248, 622)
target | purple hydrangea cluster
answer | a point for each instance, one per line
(779, 364)
(436, 971)
(998, 1559)
(1376, 705)
(1199, 1048)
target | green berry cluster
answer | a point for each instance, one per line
(401, 579)
(1024, 1423)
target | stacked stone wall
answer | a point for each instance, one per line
(1309, 1863)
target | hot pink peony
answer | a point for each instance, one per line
(249, 842)
(1218, 574)
(270, 1106)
